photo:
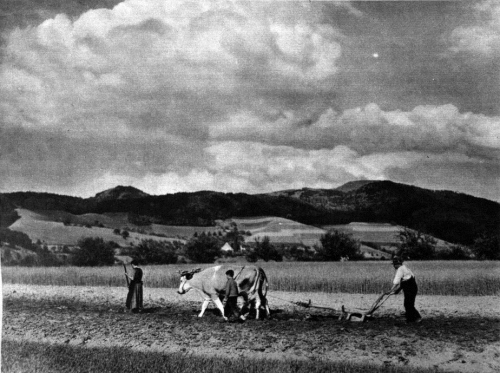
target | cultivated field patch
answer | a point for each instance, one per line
(38, 227)
(280, 230)
(458, 333)
(380, 233)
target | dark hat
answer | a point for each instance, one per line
(397, 260)
(230, 272)
(134, 262)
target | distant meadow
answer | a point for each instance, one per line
(461, 278)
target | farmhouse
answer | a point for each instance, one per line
(227, 248)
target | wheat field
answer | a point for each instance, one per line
(463, 278)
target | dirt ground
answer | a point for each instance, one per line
(457, 334)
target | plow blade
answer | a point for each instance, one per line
(364, 315)
(348, 315)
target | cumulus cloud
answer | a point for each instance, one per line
(256, 168)
(232, 96)
(130, 90)
(435, 129)
(170, 65)
(481, 39)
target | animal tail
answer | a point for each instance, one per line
(263, 288)
(265, 282)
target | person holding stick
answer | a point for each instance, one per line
(134, 297)
(231, 296)
(405, 280)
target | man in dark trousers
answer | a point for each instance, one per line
(405, 280)
(134, 296)
(231, 295)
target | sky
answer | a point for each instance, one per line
(248, 96)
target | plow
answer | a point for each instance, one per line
(348, 314)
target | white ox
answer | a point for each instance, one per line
(211, 283)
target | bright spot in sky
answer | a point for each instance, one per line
(375, 55)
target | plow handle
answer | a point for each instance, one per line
(378, 303)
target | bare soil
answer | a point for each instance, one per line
(457, 334)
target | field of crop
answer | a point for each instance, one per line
(48, 227)
(38, 227)
(382, 234)
(115, 220)
(182, 231)
(280, 230)
(465, 278)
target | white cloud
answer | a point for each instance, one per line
(369, 129)
(189, 62)
(256, 168)
(282, 167)
(175, 96)
(483, 38)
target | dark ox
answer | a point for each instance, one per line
(211, 282)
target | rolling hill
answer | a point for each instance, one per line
(449, 216)
(40, 226)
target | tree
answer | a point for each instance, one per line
(251, 256)
(336, 244)
(486, 247)
(15, 238)
(203, 249)
(301, 253)
(94, 252)
(416, 245)
(155, 252)
(125, 234)
(455, 252)
(266, 251)
(46, 259)
(235, 237)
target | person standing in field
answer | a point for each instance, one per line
(405, 280)
(231, 295)
(134, 297)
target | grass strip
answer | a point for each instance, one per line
(27, 357)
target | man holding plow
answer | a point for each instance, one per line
(405, 280)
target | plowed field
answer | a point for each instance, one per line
(457, 334)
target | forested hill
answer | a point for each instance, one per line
(453, 217)
(450, 216)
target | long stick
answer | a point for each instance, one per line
(128, 279)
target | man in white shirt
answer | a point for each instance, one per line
(405, 280)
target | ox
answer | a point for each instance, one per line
(211, 282)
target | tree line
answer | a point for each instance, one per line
(204, 248)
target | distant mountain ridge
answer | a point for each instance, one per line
(120, 192)
(354, 185)
(450, 216)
